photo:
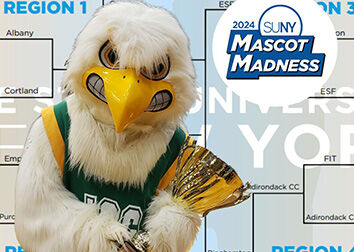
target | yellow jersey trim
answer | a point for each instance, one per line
(54, 136)
(171, 172)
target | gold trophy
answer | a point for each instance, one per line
(203, 183)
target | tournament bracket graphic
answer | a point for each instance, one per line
(299, 157)
(275, 49)
(277, 57)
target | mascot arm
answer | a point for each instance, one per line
(49, 217)
(170, 226)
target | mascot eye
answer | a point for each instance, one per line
(108, 56)
(158, 72)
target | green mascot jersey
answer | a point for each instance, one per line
(128, 202)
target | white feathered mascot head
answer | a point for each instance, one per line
(148, 47)
(130, 81)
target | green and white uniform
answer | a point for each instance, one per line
(129, 202)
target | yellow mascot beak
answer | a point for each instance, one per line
(127, 94)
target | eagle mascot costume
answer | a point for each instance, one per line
(96, 168)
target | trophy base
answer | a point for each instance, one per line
(130, 247)
(139, 243)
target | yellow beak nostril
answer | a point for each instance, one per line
(129, 95)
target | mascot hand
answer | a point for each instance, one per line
(171, 228)
(101, 233)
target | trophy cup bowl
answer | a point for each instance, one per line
(202, 183)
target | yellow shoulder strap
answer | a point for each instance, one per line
(55, 139)
(171, 172)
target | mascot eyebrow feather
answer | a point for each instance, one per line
(97, 167)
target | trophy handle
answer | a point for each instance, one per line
(185, 147)
(188, 144)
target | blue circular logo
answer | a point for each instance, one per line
(280, 20)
